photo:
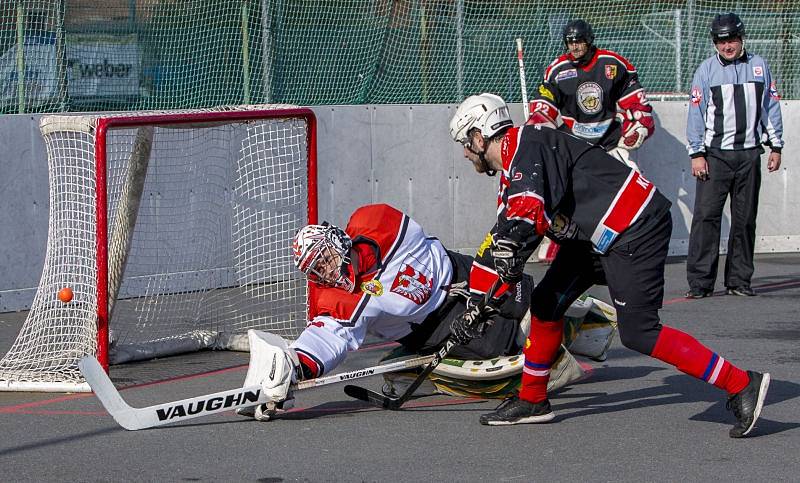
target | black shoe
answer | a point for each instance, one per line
(516, 411)
(743, 291)
(698, 293)
(747, 403)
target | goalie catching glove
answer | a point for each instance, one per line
(273, 366)
(473, 323)
(637, 125)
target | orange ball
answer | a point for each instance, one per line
(65, 295)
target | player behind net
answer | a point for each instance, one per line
(383, 276)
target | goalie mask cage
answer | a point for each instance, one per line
(173, 230)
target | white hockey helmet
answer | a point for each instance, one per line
(322, 252)
(485, 112)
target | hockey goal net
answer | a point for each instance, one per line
(173, 229)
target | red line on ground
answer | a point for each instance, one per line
(186, 377)
(45, 412)
(21, 407)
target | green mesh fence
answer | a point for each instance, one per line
(82, 55)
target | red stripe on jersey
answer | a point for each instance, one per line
(558, 61)
(622, 60)
(629, 202)
(635, 101)
(481, 278)
(508, 146)
(310, 365)
(528, 207)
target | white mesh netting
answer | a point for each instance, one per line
(200, 222)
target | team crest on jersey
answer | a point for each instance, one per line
(590, 97)
(773, 91)
(413, 281)
(566, 74)
(758, 71)
(372, 287)
(611, 71)
(545, 92)
(696, 96)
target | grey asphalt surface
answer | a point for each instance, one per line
(633, 419)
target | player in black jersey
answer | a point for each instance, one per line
(608, 209)
(596, 92)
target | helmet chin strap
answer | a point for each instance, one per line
(487, 168)
(485, 165)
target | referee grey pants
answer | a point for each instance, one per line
(738, 174)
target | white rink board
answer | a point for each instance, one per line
(402, 155)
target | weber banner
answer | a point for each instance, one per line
(103, 66)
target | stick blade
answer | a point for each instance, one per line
(108, 395)
(372, 397)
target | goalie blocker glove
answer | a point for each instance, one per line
(274, 366)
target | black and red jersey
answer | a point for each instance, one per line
(548, 172)
(589, 96)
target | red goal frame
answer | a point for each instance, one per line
(104, 124)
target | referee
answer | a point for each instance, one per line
(734, 105)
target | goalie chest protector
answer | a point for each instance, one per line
(411, 281)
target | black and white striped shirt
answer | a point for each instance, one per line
(733, 106)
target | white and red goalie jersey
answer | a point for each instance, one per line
(402, 276)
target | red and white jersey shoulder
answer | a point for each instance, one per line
(404, 277)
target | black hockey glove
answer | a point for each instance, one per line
(507, 260)
(473, 323)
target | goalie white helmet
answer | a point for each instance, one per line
(488, 113)
(322, 252)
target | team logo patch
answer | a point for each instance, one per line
(758, 71)
(545, 92)
(372, 287)
(413, 281)
(590, 97)
(566, 74)
(611, 71)
(773, 91)
(696, 96)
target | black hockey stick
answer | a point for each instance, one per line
(395, 403)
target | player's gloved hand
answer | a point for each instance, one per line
(508, 262)
(473, 323)
(636, 127)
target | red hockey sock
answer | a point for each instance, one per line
(691, 357)
(540, 351)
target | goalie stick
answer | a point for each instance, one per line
(394, 404)
(133, 419)
(522, 82)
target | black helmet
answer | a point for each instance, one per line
(577, 30)
(726, 26)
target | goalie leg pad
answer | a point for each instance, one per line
(596, 332)
(564, 371)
